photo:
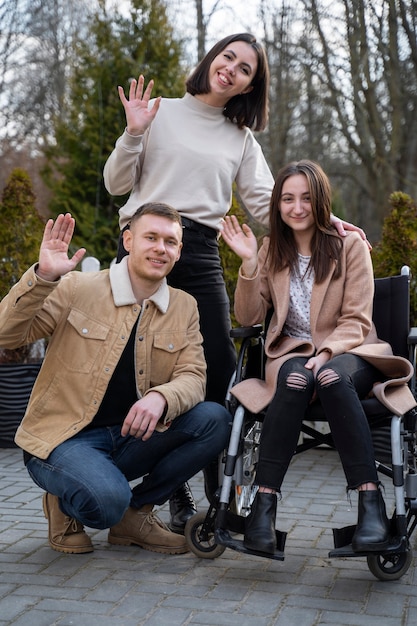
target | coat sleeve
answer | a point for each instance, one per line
(252, 295)
(22, 317)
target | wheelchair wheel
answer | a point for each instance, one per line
(389, 566)
(200, 539)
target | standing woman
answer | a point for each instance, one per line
(188, 152)
(321, 340)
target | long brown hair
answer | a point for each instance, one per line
(326, 245)
(250, 109)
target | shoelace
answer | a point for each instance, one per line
(151, 518)
(72, 526)
(183, 498)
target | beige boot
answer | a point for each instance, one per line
(65, 533)
(143, 528)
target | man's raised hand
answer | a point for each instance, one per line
(54, 261)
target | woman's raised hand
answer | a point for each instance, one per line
(138, 115)
(242, 241)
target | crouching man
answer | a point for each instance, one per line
(120, 393)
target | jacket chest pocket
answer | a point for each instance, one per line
(83, 342)
(167, 348)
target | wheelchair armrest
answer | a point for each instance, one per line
(412, 336)
(244, 332)
(412, 349)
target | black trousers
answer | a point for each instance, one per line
(341, 404)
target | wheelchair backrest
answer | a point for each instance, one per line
(391, 311)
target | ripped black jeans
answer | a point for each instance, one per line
(340, 385)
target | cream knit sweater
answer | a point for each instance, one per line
(189, 158)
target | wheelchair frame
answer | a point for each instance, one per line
(209, 533)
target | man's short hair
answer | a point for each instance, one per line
(157, 208)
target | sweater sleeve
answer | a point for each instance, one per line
(254, 180)
(123, 166)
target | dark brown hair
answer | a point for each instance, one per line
(249, 109)
(326, 244)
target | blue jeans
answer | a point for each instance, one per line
(90, 472)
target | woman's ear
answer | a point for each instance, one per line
(247, 90)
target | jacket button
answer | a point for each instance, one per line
(84, 331)
(141, 338)
(171, 346)
(141, 372)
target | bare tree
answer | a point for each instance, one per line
(13, 29)
(202, 21)
(362, 53)
(36, 53)
(55, 26)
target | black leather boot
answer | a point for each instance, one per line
(260, 524)
(373, 527)
(181, 508)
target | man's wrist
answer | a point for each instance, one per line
(45, 276)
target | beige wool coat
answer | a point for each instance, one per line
(340, 320)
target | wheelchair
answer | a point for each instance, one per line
(209, 533)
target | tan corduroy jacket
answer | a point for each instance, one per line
(89, 318)
(340, 320)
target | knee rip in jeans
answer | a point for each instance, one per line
(327, 377)
(296, 381)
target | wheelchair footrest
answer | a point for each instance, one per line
(222, 537)
(342, 538)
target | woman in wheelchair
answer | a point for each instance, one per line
(320, 343)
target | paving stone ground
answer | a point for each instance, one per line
(128, 586)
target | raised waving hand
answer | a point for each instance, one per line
(138, 115)
(54, 261)
(243, 242)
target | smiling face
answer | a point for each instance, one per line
(295, 206)
(231, 73)
(154, 245)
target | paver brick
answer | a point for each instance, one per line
(128, 586)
